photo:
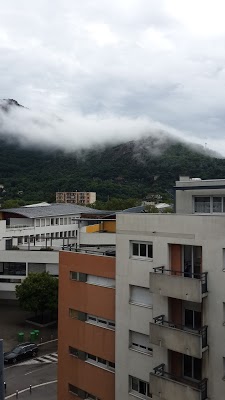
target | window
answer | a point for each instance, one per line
(140, 296)
(69, 220)
(73, 313)
(78, 276)
(38, 222)
(73, 233)
(209, 204)
(100, 281)
(52, 221)
(192, 319)
(65, 234)
(202, 204)
(140, 342)
(42, 222)
(217, 204)
(61, 221)
(192, 260)
(73, 389)
(57, 221)
(20, 240)
(100, 362)
(12, 268)
(140, 387)
(73, 351)
(42, 237)
(141, 250)
(104, 323)
(192, 367)
(61, 234)
(65, 221)
(47, 221)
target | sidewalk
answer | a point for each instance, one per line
(12, 321)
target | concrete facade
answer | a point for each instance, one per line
(198, 232)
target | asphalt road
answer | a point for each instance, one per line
(19, 377)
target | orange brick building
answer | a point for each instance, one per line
(86, 350)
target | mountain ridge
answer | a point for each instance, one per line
(131, 169)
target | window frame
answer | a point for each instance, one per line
(140, 249)
(138, 381)
(94, 320)
(211, 204)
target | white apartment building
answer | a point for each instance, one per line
(32, 236)
(170, 298)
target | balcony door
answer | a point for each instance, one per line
(192, 319)
(192, 368)
(192, 259)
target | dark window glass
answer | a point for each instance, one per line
(101, 361)
(74, 275)
(73, 351)
(189, 318)
(73, 389)
(197, 369)
(135, 249)
(142, 387)
(143, 250)
(188, 366)
(134, 384)
(149, 250)
(217, 204)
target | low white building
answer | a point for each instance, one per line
(31, 238)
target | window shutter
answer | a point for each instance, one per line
(101, 281)
(140, 339)
(140, 295)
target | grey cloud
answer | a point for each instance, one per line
(135, 58)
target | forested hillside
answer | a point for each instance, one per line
(125, 170)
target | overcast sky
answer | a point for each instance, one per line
(161, 61)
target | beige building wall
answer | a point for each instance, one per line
(163, 230)
(76, 197)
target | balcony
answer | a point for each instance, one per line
(179, 285)
(169, 387)
(178, 338)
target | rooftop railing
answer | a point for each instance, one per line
(186, 274)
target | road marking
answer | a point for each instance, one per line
(33, 387)
(37, 369)
(47, 358)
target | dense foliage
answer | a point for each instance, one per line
(38, 293)
(122, 171)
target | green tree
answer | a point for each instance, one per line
(38, 293)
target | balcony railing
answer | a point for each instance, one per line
(160, 320)
(185, 274)
(199, 386)
(19, 226)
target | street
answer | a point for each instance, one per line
(33, 372)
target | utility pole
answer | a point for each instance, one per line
(2, 386)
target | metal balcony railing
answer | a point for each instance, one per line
(160, 320)
(186, 274)
(201, 386)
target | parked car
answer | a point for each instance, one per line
(21, 352)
